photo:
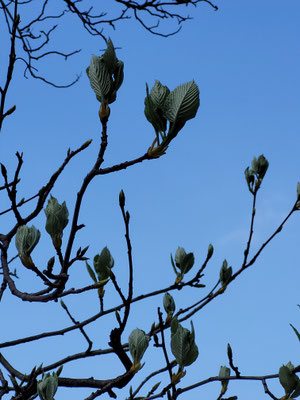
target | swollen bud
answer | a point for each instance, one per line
(225, 273)
(122, 199)
(210, 251)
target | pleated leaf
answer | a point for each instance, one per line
(182, 103)
(100, 79)
(26, 239)
(153, 116)
(109, 57)
(138, 342)
(158, 94)
(183, 344)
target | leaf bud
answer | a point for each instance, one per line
(26, 240)
(57, 219)
(103, 263)
(260, 166)
(122, 199)
(47, 387)
(183, 260)
(106, 74)
(169, 304)
(225, 273)
(210, 251)
(224, 373)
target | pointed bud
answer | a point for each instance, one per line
(210, 251)
(122, 199)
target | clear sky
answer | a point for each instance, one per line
(245, 59)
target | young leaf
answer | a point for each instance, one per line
(91, 272)
(183, 344)
(138, 342)
(182, 103)
(158, 94)
(287, 379)
(297, 333)
(100, 79)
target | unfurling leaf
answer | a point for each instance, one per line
(169, 304)
(103, 263)
(47, 387)
(177, 107)
(91, 272)
(255, 175)
(224, 373)
(182, 103)
(183, 260)
(138, 342)
(26, 240)
(153, 108)
(260, 166)
(296, 332)
(57, 219)
(106, 74)
(289, 381)
(183, 344)
(225, 273)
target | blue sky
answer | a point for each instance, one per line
(245, 60)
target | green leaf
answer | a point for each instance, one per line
(100, 78)
(57, 219)
(183, 344)
(119, 75)
(103, 263)
(224, 373)
(173, 265)
(47, 387)
(225, 273)
(158, 94)
(179, 256)
(153, 389)
(91, 272)
(297, 333)
(288, 379)
(169, 303)
(182, 103)
(260, 166)
(26, 239)
(138, 342)
(296, 392)
(109, 57)
(187, 263)
(298, 191)
(153, 115)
